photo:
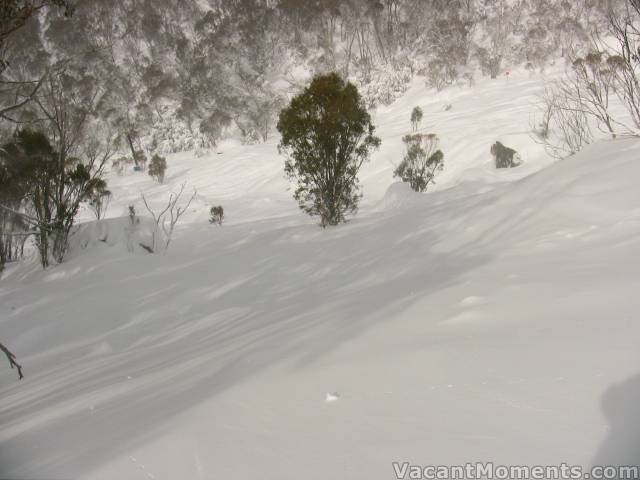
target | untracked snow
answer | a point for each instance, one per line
(492, 319)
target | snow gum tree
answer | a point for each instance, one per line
(327, 134)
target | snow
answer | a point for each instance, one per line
(492, 319)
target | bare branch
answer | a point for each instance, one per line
(171, 214)
(12, 360)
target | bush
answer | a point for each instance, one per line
(328, 135)
(421, 161)
(383, 86)
(216, 215)
(99, 197)
(505, 157)
(416, 118)
(157, 168)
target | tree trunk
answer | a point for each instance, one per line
(133, 150)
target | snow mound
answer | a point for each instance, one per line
(398, 195)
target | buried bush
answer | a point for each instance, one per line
(421, 161)
(216, 215)
(505, 157)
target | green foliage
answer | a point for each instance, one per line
(157, 168)
(53, 187)
(216, 215)
(421, 161)
(328, 135)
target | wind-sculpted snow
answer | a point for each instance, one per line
(487, 320)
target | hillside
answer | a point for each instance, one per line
(491, 319)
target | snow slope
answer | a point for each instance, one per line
(494, 319)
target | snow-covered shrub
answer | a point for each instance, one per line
(157, 168)
(383, 87)
(421, 161)
(489, 63)
(261, 115)
(441, 74)
(249, 134)
(172, 134)
(216, 215)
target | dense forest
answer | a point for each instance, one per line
(173, 75)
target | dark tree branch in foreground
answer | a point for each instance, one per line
(12, 360)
